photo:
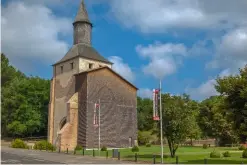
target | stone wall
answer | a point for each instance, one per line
(51, 113)
(64, 89)
(68, 134)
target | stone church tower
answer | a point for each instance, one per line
(81, 79)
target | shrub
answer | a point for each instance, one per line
(242, 147)
(244, 154)
(43, 145)
(78, 148)
(144, 137)
(135, 149)
(18, 143)
(205, 146)
(215, 154)
(104, 148)
(227, 154)
(148, 145)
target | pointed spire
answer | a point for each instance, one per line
(82, 15)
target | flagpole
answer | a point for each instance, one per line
(99, 126)
(161, 127)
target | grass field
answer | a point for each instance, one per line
(186, 155)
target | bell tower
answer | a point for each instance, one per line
(82, 26)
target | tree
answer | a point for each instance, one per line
(234, 90)
(8, 73)
(177, 117)
(215, 122)
(144, 114)
(194, 131)
(144, 137)
(24, 103)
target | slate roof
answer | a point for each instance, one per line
(106, 67)
(82, 15)
(85, 51)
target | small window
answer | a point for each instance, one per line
(72, 65)
(61, 69)
(90, 65)
(100, 65)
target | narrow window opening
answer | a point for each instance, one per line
(72, 65)
(90, 65)
(61, 69)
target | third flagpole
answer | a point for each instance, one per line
(99, 125)
(161, 126)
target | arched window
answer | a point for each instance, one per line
(62, 123)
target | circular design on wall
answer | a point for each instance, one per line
(105, 94)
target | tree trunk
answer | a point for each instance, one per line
(172, 148)
(173, 153)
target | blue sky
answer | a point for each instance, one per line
(185, 43)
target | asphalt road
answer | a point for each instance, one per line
(8, 158)
(23, 156)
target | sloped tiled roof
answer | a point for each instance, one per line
(85, 51)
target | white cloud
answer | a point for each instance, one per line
(30, 31)
(231, 51)
(230, 55)
(52, 3)
(145, 93)
(203, 91)
(122, 68)
(159, 49)
(160, 15)
(207, 89)
(159, 68)
(164, 58)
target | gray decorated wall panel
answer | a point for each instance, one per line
(81, 87)
(118, 110)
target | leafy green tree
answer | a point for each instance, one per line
(8, 72)
(234, 90)
(215, 122)
(145, 114)
(17, 128)
(195, 131)
(178, 115)
(24, 103)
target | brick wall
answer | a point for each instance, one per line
(118, 110)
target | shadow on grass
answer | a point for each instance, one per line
(147, 156)
(168, 159)
(214, 161)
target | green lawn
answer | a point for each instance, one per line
(186, 155)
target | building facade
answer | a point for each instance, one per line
(82, 79)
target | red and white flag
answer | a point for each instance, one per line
(155, 104)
